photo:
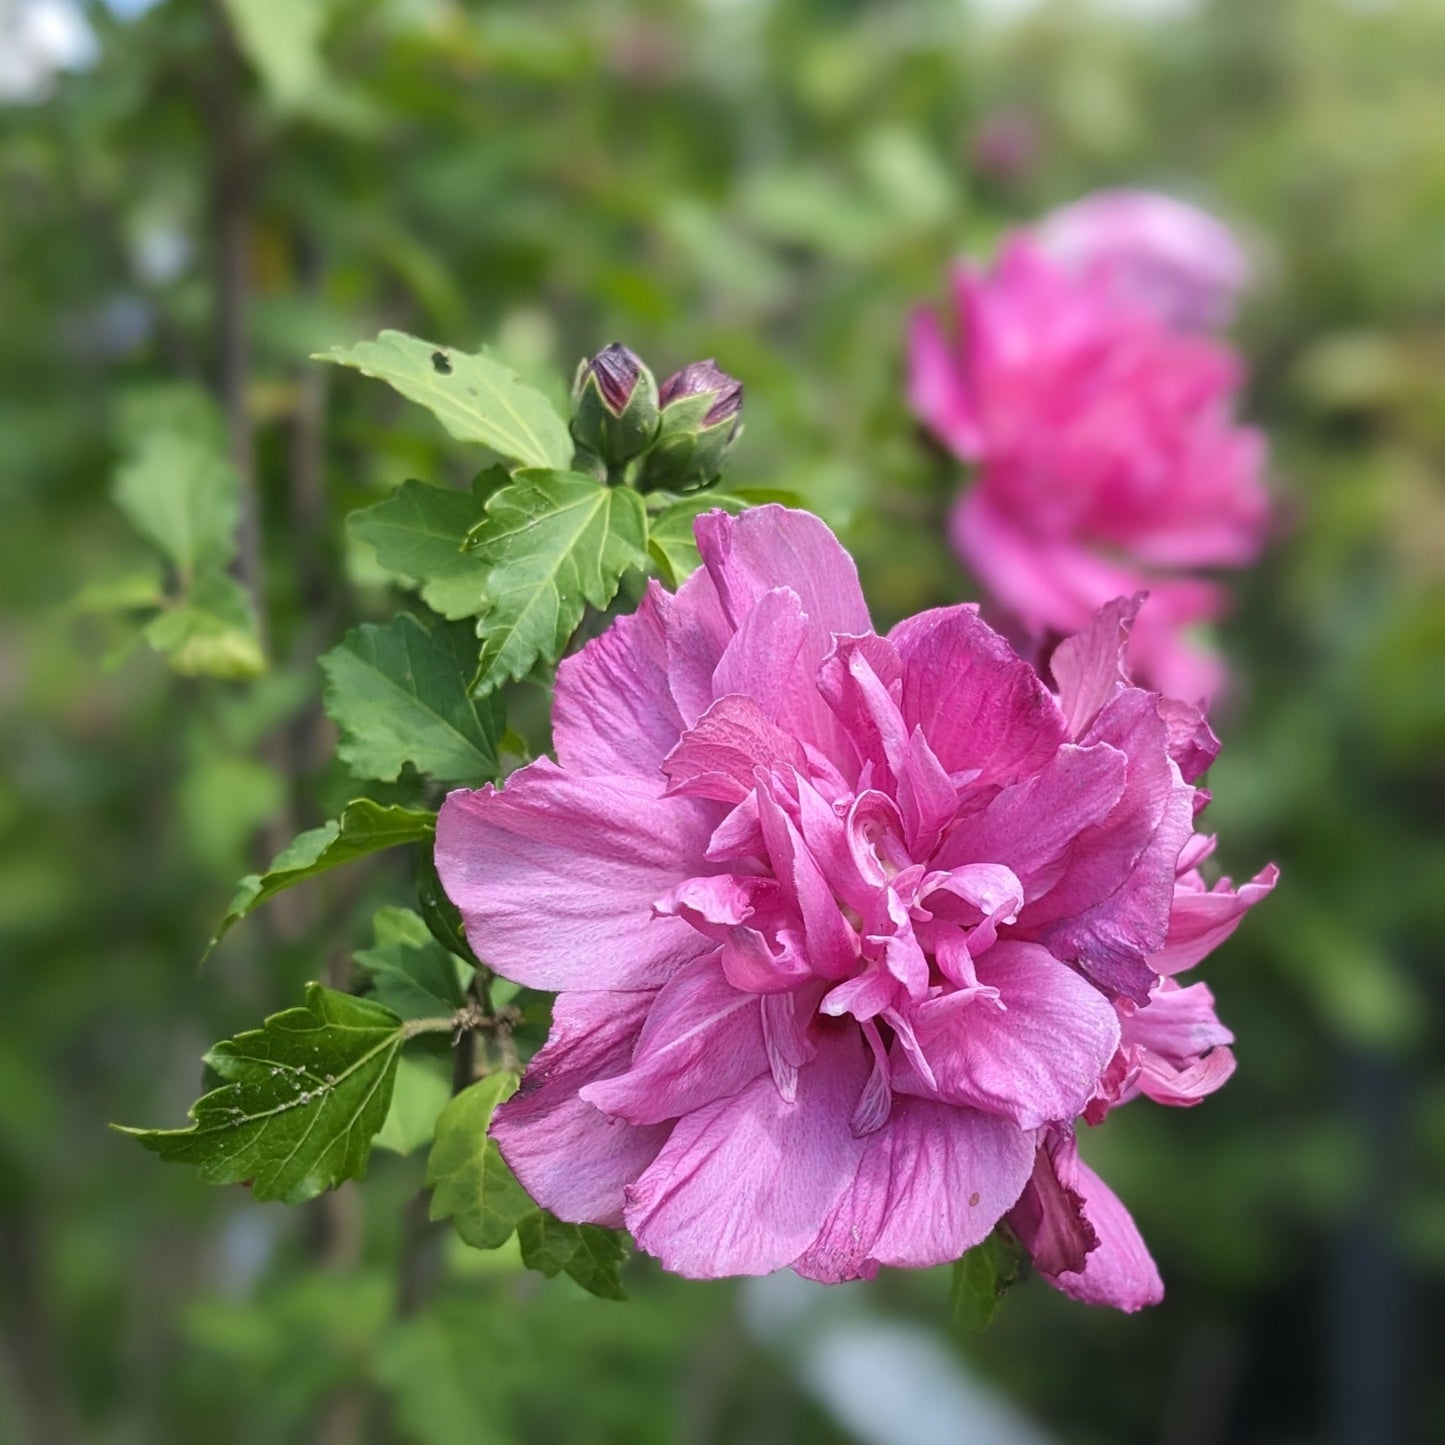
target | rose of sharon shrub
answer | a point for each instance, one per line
(1107, 459)
(847, 930)
(1180, 262)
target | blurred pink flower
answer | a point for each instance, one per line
(1180, 262)
(847, 930)
(1108, 462)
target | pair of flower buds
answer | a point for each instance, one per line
(677, 435)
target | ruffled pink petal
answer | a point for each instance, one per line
(1120, 1272)
(1200, 921)
(934, 1181)
(1089, 668)
(743, 1185)
(936, 389)
(1035, 1056)
(569, 1157)
(772, 546)
(555, 876)
(702, 1041)
(718, 757)
(613, 711)
(981, 707)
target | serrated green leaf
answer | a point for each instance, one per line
(303, 1097)
(469, 1179)
(421, 1091)
(670, 538)
(420, 531)
(475, 397)
(364, 827)
(183, 494)
(983, 1276)
(400, 695)
(591, 1255)
(210, 631)
(411, 973)
(442, 917)
(554, 541)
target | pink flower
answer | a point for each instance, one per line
(846, 929)
(1154, 251)
(1107, 460)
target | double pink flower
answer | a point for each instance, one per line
(1101, 425)
(847, 930)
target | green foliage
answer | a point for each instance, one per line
(554, 542)
(302, 1098)
(410, 972)
(210, 632)
(670, 537)
(364, 827)
(983, 1276)
(181, 493)
(476, 398)
(421, 532)
(423, 1086)
(471, 1184)
(590, 1255)
(399, 695)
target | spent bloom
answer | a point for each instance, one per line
(847, 930)
(1182, 263)
(1107, 459)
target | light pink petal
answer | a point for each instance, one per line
(570, 1158)
(1120, 1272)
(1030, 827)
(936, 388)
(772, 546)
(743, 1186)
(1035, 1060)
(1089, 668)
(717, 757)
(981, 707)
(762, 660)
(556, 875)
(1109, 909)
(613, 711)
(1199, 922)
(703, 1041)
(932, 1184)
(1192, 743)
(1182, 1088)
(1178, 1024)
(697, 631)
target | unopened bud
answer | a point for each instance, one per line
(701, 418)
(614, 405)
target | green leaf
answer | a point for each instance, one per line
(554, 541)
(671, 541)
(476, 398)
(442, 917)
(303, 1097)
(423, 1087)
(183, 494)
(469, 1179)
(209, 632)
(421, 532)
(411, 973)
(591, 1255)
(400, 695)
(364, 827)
(984, 1275)
(282, 39)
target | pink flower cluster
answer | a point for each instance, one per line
(1101, 425)
(848, 930)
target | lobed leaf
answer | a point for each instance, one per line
(411, 973)
(591, 1255)
(400, 695)
(554, 542)
(302, 1099)
(183, 494)
(421, 532)
(364, 827)
(475, 397)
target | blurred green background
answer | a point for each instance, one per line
(205, 193)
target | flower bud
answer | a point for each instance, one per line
(700, 421)
(614, 405)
